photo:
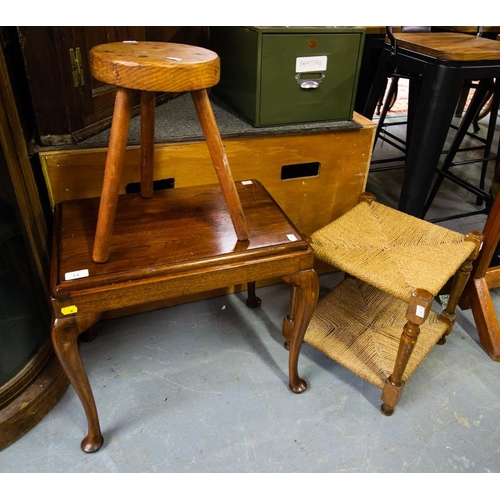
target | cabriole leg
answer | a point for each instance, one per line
(252, 300)
(65, 332)
(289, 320)
(304, 300)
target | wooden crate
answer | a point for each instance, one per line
(342, 157)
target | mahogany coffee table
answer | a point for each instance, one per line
(178, 243)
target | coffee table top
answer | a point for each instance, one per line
(178, 230)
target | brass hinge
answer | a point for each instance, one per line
(77, 67)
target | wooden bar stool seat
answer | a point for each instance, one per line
(151, 67)
(378, 321)
(155, 66)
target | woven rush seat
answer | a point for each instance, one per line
(359, 327)
(378, 321)
(391, 250)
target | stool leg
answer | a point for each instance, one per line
(305, 298)
(417, 312)
(380, 102)
(471, 112)
(385, 108)
(379, 82)
(112, 174)
(65, 332)
(252, 300)
(490, 134)
(415, 84)
(220, 161)
(459, 282)
(148, 110)
(430, 127)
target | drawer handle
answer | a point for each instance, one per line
(309, 83)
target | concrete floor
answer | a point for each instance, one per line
(202, 387)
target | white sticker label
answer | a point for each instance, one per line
(83, 273)
(420, 311)
(310, 64)
(246, 182)
(130, 41)
(291, 237)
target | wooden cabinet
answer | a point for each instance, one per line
(69, 104)
(31, 379)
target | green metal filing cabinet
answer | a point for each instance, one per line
(278, 75)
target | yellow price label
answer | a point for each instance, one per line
(69, 310)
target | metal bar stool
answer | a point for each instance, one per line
(387, 100)
(156, 67)
(445, 62)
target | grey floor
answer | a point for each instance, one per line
(202, 387)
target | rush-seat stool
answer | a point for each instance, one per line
(378, 321)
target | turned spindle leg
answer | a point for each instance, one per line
(305, 298)
(65, 332)
(148, 110)
(417, 312)
(459, 282)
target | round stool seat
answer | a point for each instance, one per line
(155, 66)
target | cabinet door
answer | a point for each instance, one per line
(69, 104)
(91, 100)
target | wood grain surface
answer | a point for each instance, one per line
(450, 46)
(155, 66)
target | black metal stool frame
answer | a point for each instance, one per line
(484, 89)
(440, 87)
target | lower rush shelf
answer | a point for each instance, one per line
(359, 327)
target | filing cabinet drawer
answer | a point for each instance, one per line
(277, 76)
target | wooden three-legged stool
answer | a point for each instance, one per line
(152, 67)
